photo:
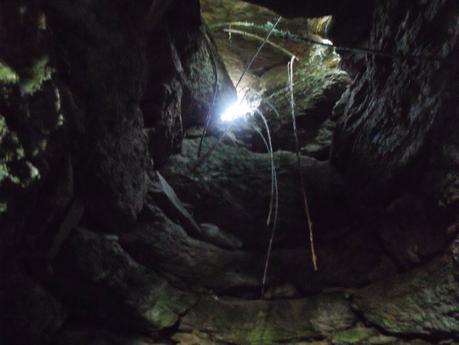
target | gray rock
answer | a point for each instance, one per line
(89, 336)
(106, 87)
(409, 234)
(420, 302)
(393, 119)
(268, 322)
(208, 87)
(317, 88)
(231, 188)
(114, 288)
(213, 234)
(165, 246)
(162, 194)
(29, 311)
(230, 198)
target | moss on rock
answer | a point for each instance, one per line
(7, 75)
(355, 335)
(418, 302)
(267, 322)
(39, 73)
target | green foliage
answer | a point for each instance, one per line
(356, 335)
(7, 75)
(13, 164)
(310, 79)
(40, 72)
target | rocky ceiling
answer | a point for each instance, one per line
(238, 29)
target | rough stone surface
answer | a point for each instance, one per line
(165, 246)
(392, 116)
(107, 80)
(231, 188)
(424, 301)
(209, 88)
(341, 248)
(114, 288)
(409, 233)
(297, 8)
(187, 83)
(267, 322)
(101, 337)
(29, 311)
(317, 87)
(95, 95)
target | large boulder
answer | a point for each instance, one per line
(169, 241)
(422, 302)
(104, 84)
(269, 322)
(29, 311)
(101, 282)
(231, 187)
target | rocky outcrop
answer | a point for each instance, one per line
(165, 246)
(29, 311)
(105, 83)
(316, 87)
(268, 322)
(423, 302)
(97, 246)
(391, 136)
(80, 336)
(187, 84)
(231, 187)
(117, 289)
(297, 8)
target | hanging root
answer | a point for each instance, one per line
(271, 199)
(297, 147)
(269, 148)
(274, 200)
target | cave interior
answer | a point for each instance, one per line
(226, 172)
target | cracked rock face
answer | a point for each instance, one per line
(397, 134)
(113, 230)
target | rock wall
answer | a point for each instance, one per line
(386, 138)
(112, 231)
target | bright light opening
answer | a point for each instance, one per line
(245, 106)
(236, 111)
